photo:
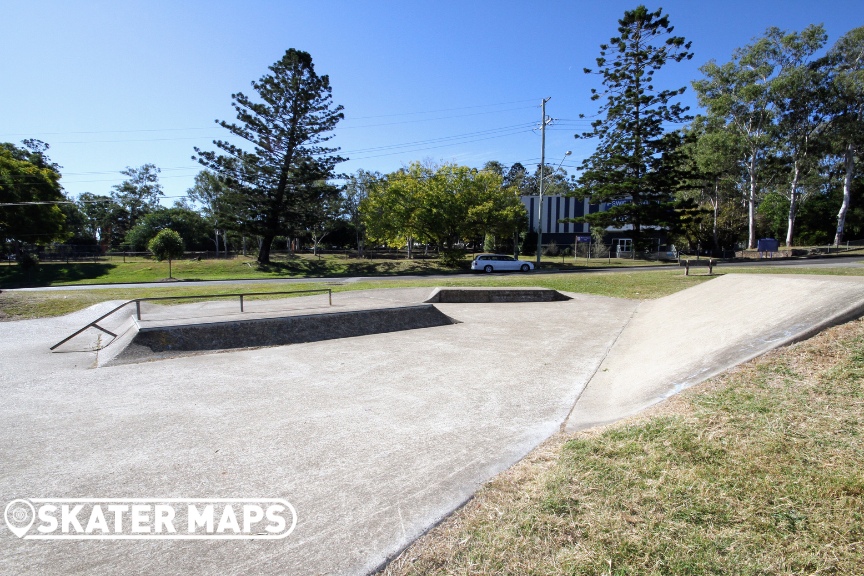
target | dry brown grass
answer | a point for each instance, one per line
(758, 471)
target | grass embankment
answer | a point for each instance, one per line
(16, 305)
(116, 271)
(758, 471)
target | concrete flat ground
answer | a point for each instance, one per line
(373, 439)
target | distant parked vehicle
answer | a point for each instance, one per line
(499, 263)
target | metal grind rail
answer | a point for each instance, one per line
(137, 302)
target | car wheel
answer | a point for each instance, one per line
(487, 269)
(525, 268)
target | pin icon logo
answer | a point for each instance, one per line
(20, 515)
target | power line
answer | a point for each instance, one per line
(347, 119)
(522, 131)
(436, 140)
(442, 110)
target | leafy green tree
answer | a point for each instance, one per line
(442, 204)
(189, 224)
(136, 196)
(286, 170)
(30, 191)
(713, 153)
(76, 224)
(166, 245)
(798, 93)
(354, 193)
(517, 176)
(496, 211)
(391, 209)
(212, 194)
(845, 106)
(323, 217)
(100, 215)
(738, 95)
(556, 182)
(635, 157)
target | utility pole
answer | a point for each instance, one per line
(542, 164)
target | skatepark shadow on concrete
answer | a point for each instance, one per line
(373, 438)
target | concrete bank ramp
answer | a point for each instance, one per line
(143, 341)
(677, 341)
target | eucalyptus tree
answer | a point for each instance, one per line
(356, 190)
(137, 196)
(846, 107)
(280, 166)
(798, 94)
(738, 94)
(713, 153)
(212, 194)
(635, 157)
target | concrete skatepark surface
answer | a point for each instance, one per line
(373, 438)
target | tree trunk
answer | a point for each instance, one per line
(793, 206)
(849, 162)
(264, 249)
(217, 242)
(169, 269)
(716, 202)
(751, 205)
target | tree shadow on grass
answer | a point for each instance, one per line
(50, 274)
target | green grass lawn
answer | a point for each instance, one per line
(758, 471)
(116, 271)
(15, 305)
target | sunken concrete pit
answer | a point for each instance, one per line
(145, 341)
(495, 295)
(172, 331)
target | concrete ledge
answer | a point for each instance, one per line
(153, 342)
(494, 295)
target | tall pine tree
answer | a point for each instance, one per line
(274, 185)
(634, 167)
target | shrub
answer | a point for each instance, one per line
(28, 261)
(453, 258)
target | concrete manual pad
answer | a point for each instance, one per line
(372, 439)
(680, 340)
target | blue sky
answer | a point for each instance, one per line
(124, 83)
